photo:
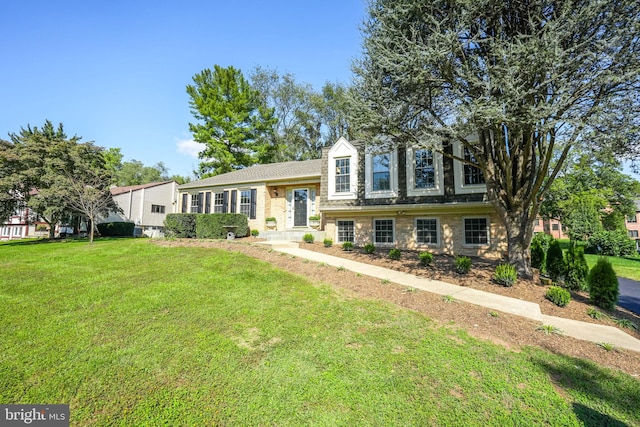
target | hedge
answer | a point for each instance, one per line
(205, 226)
(116, 229)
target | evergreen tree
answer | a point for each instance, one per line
(577, 269)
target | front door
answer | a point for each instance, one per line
(300, 208)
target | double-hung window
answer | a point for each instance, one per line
(472, 175)
(345, 231)
(424, 169)
(383, 231)
(343, 175)
(381, 166)
(245, 202)
(427, 231)
(218, 203)
(476, 231)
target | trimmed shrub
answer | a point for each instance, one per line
(308, 238)
(611, 243)
(505, 275)
(212, 226)
(347, 246)
(543, 241)
(395, 254)
(537, 254)
(369, 248)
(180, 225)
(603, 285)
(555, 262)
(255, 233)
(577, 270)
(426, 258)
(116, 229)
(462, 264)
(327, 243)
(559, 296)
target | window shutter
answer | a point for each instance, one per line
(200, 202)
(234, 196)
(225, 202)
(252, 209)
(207, 202)
(185, 199)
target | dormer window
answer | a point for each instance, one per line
(381, 170)
(342, 173)
(468, 178)
(472, 174)
(424, 172)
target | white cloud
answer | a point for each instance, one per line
(189, 147)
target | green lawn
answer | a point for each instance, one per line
(130, 333)
(628, 266)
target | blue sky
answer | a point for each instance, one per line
(115, 72)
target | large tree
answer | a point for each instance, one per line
(528, 79)
(234, 123)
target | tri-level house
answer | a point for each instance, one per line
(397, 197)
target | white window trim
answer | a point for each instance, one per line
(464, 233)
(438, 232)
(342, 149)
(458, 170)
(438, 178)
(338, 230)
(373, 232)
(393, 176)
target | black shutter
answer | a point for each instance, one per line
(252, 209)
(234, 194)
(225, 202)
(207, 202)
(200, 202)
(185, 200)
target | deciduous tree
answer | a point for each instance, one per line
(529, 79)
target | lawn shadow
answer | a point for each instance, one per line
(602, 387)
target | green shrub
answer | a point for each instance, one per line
(116, 229)
(369, 248)
(426, 258)
(559, 296)
(537, 254)
(395, 254)
(603, 285)
(180, 225)
(327, 243)
(506, 275)
(611, 243)
(347, 246)
(462, 264)
(255, 233)
(270, 219)
(542, 241)
(216, 226)
(555, 261)
(308, 238)
(577, 269)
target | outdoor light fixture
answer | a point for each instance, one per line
(275, 191)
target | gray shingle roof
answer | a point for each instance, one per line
(260, 173)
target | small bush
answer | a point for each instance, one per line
(426, 258)
(255, 233)
(270, 219)
(462, 264)
(216, 226)
(506, 275)
(555, 262)
(577, 270)
(603, 285)
(116, 229)
(308, 238)
(611, 243)
(543, 241)
(395, 254)
(537, 254)
(327, 243)
(347, 246)
(369, 248)
(559, 296)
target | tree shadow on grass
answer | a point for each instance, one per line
(600, 397)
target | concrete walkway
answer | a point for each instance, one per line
(573, 328)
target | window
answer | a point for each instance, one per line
(476, 231)
(424, 169)
(196, 203)
(472, 174)
(157, 209)
(346, 231)
(633, 234)
(343, 175)
(537, 222)
(381, 172)
(554, 227)
(219, 203)
(383, 231)
(245, 202)
(427, 231)
(632, 218)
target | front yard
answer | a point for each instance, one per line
(132, 333)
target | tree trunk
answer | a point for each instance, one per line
(519, 228)
(90, 225)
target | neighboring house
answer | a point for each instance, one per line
(406, 198)
(633, 225)
(552, 227)
(286, 191)
(146, 205)
(19, 225)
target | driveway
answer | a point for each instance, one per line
(629, 297)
